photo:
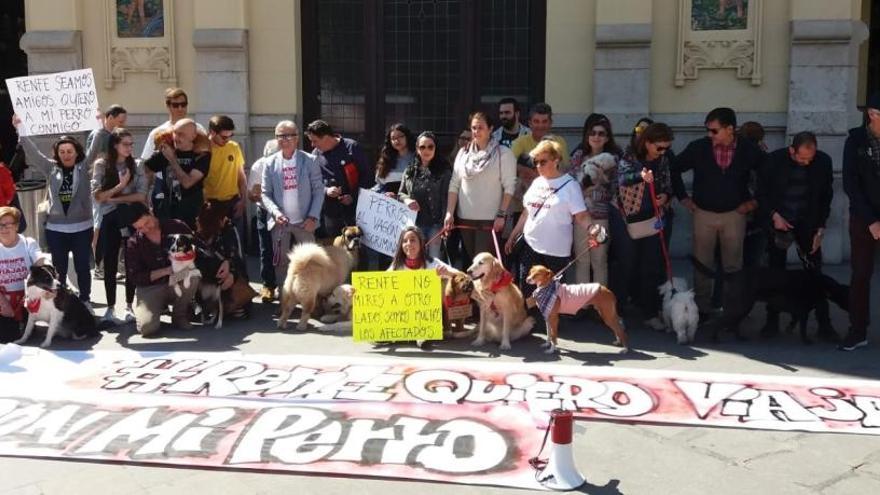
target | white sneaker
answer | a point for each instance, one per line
(108, 314)
(129, 314)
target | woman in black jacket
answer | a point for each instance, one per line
(425, 187)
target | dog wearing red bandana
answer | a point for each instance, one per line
(48, 300)
(503, 316)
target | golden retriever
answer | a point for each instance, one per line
(314, 272)
(499, 299)
(568, 299)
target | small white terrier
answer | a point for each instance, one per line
(680, 313)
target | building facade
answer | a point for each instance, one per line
(791, 65)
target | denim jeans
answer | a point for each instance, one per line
(61, 244)
(267, 269)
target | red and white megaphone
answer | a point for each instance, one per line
(560, 473)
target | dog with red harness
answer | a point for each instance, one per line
(503, 316)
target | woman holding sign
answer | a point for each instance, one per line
(69, 223)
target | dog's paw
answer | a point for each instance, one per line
(302, 325)
(478, 342)
(329, 319)
(282, 325)
(46, 344)
(505, 346)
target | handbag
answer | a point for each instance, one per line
(644, 228)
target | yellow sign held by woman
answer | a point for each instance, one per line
(399, 305)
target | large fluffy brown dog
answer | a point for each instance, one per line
(503, 315)
(314, 272)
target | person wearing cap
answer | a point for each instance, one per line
(795, 199)
(861, 182)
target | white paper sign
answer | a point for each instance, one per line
(381, 219)
(59, 103)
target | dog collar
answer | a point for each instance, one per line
(505, 280)
(184, 256)
(449, 302)
(33, 305)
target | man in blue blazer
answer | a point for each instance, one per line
(292, 193)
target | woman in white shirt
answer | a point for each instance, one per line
(550, 206)
(17, 254)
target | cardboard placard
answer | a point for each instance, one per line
(59, 103)
(393, 306)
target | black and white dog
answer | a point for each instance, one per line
(48, 300)
(191, 264)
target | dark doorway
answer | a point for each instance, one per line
(427, 63)
(874, 49)
(13, 63)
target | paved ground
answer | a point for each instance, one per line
(616, 458)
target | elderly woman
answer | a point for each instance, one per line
(551, 206)
(17, 254)
(69, 225)
(482, 185)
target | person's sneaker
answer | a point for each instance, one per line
(129, 315)
(853, 341)
(267, 294)
(655, 324)
(108, 314)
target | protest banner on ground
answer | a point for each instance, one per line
(461, 444)
(59, 103)
(428, 419)
(393, 306)
(381, 219)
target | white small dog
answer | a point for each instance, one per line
(337, 306)
(680, 313)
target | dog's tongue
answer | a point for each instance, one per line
(32, 305)
(184, 256)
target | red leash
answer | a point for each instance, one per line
(662, 232)
(445, 231)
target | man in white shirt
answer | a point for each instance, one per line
(292, 193)
(177, 104)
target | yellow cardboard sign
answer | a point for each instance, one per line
(399, 305)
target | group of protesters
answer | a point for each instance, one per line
(509, 186)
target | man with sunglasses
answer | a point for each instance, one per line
(795, 199)
(226, 183)
(861, 182)
(177, 104)
(292, 193)
(720, 196)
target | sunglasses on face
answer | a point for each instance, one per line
(176, 104)
(542, 162)
(713, 130)
(285, 137)
(598, 134)
(662, 149)
(426, 146)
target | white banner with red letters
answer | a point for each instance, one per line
(463, 422)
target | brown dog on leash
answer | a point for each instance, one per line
(553, 298)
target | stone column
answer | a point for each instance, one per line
(822, 96)
(53, 40)
(221, 73)
(622, 74)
